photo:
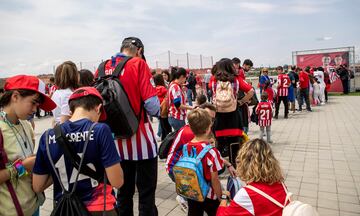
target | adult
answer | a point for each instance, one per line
(177, 102)
(207, 78)
(86, 78)
(166, 76)
(294, 79)
(138, 153)
(23, 94)
(227, 126)
(304, 84)
(258, 168)
(282, 92)
(191, 88)
(263, 78)
(344, 76)
(67, 80)
(236, 62)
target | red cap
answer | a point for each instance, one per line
(86, 91)
(32, 83)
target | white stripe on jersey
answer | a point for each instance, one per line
(133, 146)
(242, 198)
(150, 136)
(125, 150)
(144, 149)
(117, 147)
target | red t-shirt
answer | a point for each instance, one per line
(270, 93)
(283, 84)
(137, 81)
(304, 80)
(264, 111)
(161, 93)
(241, 73)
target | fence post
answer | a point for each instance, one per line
(212, 61)
(169, 58)
(157, 65)
(54, 69)
(177, 62)
(80, 66)
(201, 66)
(187, 60)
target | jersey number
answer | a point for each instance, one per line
(60, 165)
(264, 114)
(286, 84)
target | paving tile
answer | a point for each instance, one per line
(328, 212)
(329, 204)
(349, 207)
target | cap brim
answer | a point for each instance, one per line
(48, 104)
(103, 115)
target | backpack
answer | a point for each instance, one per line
(294, 208)
(121, 116)
(234, 184)
(70, 203)
(164, 107)
(189, 175)
(225, 100)
(166, 144)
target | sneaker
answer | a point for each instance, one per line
(286, 117)
(270, 142)
(276, 117)
(182, 203)
(309, 110)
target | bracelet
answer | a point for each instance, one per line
(12, 172)
(20, 168)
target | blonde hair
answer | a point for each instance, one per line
(257, 163)
(199, 121)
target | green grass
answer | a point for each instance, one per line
(341, 94)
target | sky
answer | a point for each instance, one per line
(37, 35)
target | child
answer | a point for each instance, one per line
(161, 91)
(200, 99)
(23, 95)
(264, 112)
(100, 155)
(269, 91)
(200, 124)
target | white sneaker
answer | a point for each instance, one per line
(183, 203)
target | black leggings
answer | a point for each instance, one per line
(165, 127)
(227, 147)
(198, 208)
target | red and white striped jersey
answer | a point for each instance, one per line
(211, 162)
(249, 203)
(283, 84)
(137, 81)
(52, 89)
(264, 112)
(175, 93)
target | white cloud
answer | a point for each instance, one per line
(258, 7)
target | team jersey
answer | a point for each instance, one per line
(100, 153)
(270, 93)
(211, 162)
(241, 73)
(264, 111)
(283, 84)
(248, 203)
(184, 136)
(176, 95)
(137, 81)
(304, 80)
(52, 89)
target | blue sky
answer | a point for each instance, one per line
(36, 35)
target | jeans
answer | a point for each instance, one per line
(37, 212)
(189, 96)
(268, 133)
(143, 174)
(304, 93)
(176, 124)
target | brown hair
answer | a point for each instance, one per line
(5, 99)
(208, 106)
(264, 96)
(199, 121)
(257, 163)
(66, 75)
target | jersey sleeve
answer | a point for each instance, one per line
(40, 166)
(106, 145)
(244, 86)
(214, 160)
(146, 81)
(176, 94)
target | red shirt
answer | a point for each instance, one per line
(211, 162)
(264, 111)
(136, 79)
(161, 93)
(283, 84)
(304, 80)
(248, 203)
(270, 93)
(241, 73)
(176, 93)
(184, 136)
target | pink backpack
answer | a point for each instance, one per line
(225, 100)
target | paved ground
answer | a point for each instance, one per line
(319, 153)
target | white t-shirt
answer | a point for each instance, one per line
(61, 98)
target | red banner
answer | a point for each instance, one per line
(329, 61)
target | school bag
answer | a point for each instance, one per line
(164, 107)
(225, 100)
(189, 175)
(166, 144)
(121, 117)
(233, 185)
(70, 203)
(294, 208)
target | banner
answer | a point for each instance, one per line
(329, 61)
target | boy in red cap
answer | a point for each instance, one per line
(23, 95)
(100, 155)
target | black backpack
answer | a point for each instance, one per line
(120, 115)
(70, 203)
(166, 144)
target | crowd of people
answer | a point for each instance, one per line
(84, 159)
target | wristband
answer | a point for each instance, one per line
(12, 172)
(20, 168)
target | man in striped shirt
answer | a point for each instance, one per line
(138, 153)
(283, 91)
